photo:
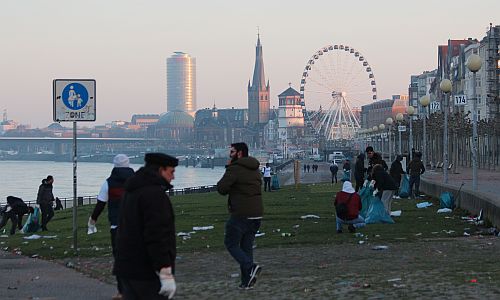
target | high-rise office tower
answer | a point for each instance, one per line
(258, 91)
(181, 83)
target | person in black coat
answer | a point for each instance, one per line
(374, 158)
(14, 211)
(45, 199)
(146, 240)
(397, 170)
(384, 184)
(359, 171)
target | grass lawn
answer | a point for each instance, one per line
(283, 211)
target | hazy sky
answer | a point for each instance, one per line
(124, 45)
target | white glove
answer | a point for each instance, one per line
(91, 226)
(365, 184)
(372, 184)
(167, 282)
(375, 192)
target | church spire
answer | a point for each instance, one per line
(259, 80)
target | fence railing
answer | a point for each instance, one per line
(67, 202)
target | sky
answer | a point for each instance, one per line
(123, 45)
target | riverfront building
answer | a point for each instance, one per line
(181, 83)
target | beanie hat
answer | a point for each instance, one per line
(121, 161)
(160, 159)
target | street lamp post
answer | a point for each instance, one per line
(399, 118)
(381, 127)
(411, 110)
(474, 64)
(445, 87)
(388, 121)
(374, 130)
(425, 101)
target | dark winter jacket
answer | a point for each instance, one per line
(359, 168)
(375, 160)
(242, 182)
(383, 181)
(347, 166)
(145, 240)
(44, 195)
(116, 189)
(334, 168)
(416, 167)
(396, 171)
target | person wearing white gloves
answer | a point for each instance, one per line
(111, 192)
(384, 186)
(146, 240)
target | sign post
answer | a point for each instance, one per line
(460, 100)
(73, 101)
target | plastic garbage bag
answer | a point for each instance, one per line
(347, 176)
(404, 189)
(33, 223)
(365, 194)
(424, 204)
(275, 183)
(376, 212)
(446, 200)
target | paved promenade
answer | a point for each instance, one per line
(30, 278)
(323, 174)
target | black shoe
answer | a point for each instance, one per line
(339, 231)
(351, 228)
(44, 228)
(254, 273)
(243, 286)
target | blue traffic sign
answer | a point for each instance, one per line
(75, 96)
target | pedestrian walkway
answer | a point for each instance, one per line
(30, 278)
(485, 199)
(322, 175)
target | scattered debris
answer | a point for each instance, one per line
(34, 256)
(4, 236)
(396, 213)
(394, 279)
(366, 285)
(200, 228)
(473, 280)
(466, 234)
(310, 217)
(358, 234)
(286, 234)
(399, 285)
(361, 242)
(70, 264)
(424, 204)
(234, 275)
(295, 226)
(444, 210)
(380, 247)
(12, 288)
(259, 234)
(418, 234)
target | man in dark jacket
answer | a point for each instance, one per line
(359, 171)
(334, 169)
(416, 168)
(111, 192)
(374, 158)
(384, 184)
(242, 181)
(45, 198)
(14, 211)
(397, 170)
(145, 241)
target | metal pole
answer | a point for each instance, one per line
(382, 141)
(75, 226)
(400, 152)
(411, 137)
(445, 139)
(474, 133)
(424, 145)
(389, 138)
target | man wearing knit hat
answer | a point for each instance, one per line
(145, 241)
(111, 192)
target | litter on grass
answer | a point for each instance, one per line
(309, 217)
(259, 234)
(396, 213)
(201, 228)
(36, 237)
(394, 279)
(424, 204)
(380, 247)
(444, 210)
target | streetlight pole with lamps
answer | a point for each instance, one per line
(389, 121)
(445, 87)
(399, 118)
(425, 101)
(474, 64)
(410, 110)
(381, 127)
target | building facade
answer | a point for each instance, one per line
(377, 112)
(290, 117)
(181, 83)
(258, 92)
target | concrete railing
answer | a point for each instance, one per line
(469, 200)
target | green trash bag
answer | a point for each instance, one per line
(33, 223)
(404, 190)
(446, 200)
(275, 183)
(376, 212)
(365, 193)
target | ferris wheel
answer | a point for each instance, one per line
(336, 82)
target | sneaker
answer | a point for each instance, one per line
(243, 286)
(254, 273)
(351, 228)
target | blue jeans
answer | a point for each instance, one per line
(238, 239)
(357, 223)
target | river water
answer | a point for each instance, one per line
(22, 178)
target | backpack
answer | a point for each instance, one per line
(342, 210)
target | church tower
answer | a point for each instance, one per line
(258, 91)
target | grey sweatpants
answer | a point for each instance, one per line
(387, 200)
